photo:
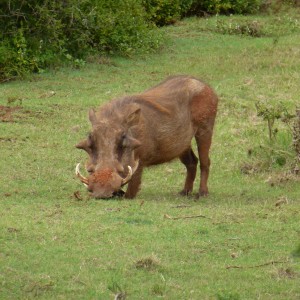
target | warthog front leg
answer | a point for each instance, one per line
(135, 183)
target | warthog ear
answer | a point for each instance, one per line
(92, 116)
(134, 117)
(132, 143)
(82, 145)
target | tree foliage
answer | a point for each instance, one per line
(37, 34)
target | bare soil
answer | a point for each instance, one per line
(7, 112)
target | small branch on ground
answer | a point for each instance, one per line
(273, 262)
(77, 196)
(112, 209)
(181, 206)
(184, 217)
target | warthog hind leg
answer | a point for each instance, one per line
(203, 140)
(189, 159)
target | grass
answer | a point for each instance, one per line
(55, 245)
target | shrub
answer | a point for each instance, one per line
(111, 26)
(166, 12)
(277, 151)
(272, 112)
(240, 27)
(16, 58)
(36, 36)
(200, 7)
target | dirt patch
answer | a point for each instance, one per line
(285, 273)
(282, 178)
(7, 112)
(13, 114)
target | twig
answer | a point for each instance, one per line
(77, 195)
(276, 150)
(181, 206)
(234, 267)
(273, 262)
(113, 209)
(183, 217)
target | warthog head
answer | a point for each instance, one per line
(110, 146)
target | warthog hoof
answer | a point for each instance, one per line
(201, 195)
(185, 193)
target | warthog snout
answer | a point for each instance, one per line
(105, 183)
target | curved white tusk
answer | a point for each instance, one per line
(83, 179)
(128, 177)
(130, 173)
(136, 164)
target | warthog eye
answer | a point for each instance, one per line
(90, 138)
(126, 142)
(91, 142)
(123, 140)
(121, 144)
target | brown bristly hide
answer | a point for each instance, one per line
(147, 129)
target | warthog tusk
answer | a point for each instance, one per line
(83, 179)
(136, 164)
(130, 173)
(128, 177)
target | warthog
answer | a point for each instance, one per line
(147, 129)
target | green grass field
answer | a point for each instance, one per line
(57, 243)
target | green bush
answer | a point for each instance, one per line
(109, 26)
(240, 27)
(15, 58)
(200, 7)
(165, 12)
(277, 150)
(34, 37)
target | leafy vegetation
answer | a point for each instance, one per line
(271, 113)
(56, 242)
(276, 151)
(226, 6)
(37, 36)
(275, 25)
(44, 34)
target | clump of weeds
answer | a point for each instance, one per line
(148, 263)
(280, 148)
